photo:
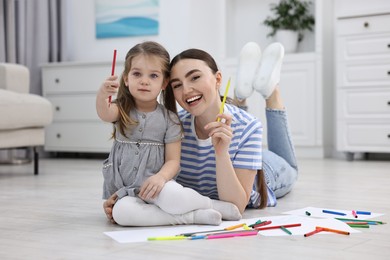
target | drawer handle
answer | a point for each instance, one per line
(366, 24)
(388, 136)
(58, 135)
(57, 108)
(57, 80)
(388, 45)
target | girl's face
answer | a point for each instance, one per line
(195, 86)
(145, 80)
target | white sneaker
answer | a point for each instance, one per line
(268, 75)
(248, 64)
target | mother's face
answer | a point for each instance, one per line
(195, 86)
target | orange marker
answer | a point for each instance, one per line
(334, 231)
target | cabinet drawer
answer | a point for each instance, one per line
(74, 108)
(364, 103)
(77, 78)
(364, 73)
(364, 47)
(363, 25)
(78, 137)
(374, 135)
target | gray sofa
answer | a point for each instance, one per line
(23, 116)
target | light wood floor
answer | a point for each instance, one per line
(58, 215)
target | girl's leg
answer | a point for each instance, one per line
(132, 211)
(176, 199)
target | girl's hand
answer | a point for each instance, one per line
(152, 187)
(109, 87)
(221, 133)
(108, 205)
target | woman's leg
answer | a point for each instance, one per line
(176, 199)
(132, 211)
(279, 162)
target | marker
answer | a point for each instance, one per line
(235, 227)
(257, 222)
(264, 223)
(363, 212)
(317, 230)
(112, 71)
(371, 222)
(274, 227)
(334, 230)
(197, 237)
(359, 226)
(241, 234)
(224, 100)
(212, 231)
(307, 213)
(167, 238)
(333, 212)
(354, 214)
(286, 230)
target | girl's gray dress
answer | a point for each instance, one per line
(141, 154)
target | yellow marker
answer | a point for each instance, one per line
(246, 227)
(167, 238)
(234, 227)
(224, 99)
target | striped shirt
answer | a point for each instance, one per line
(198, 169)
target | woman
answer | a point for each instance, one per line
(228, 152)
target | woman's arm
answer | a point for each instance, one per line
(106, 111)
(234, 185)
(153, 185)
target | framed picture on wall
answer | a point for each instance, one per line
(125, 18)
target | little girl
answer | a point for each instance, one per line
(145, 156)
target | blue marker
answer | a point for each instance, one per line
(333, 212)
(363, 212)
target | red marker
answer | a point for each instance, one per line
(112, 71)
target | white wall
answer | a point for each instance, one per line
(183, 24)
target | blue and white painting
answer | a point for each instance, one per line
(123, 18)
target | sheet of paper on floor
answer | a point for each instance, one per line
(141, 234)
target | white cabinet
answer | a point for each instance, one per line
(71, 88)
(306, 78)
(363, 76)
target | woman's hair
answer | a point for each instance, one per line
(209, 60)
(125, 101)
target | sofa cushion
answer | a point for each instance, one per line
(19, 110)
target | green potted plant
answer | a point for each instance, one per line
(291, 17)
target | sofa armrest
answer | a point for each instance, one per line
(14, 77)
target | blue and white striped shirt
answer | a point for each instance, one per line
(198, 169)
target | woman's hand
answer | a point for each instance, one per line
(221, 133)
(152, 187)
(108, 205)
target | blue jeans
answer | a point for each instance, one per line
(279, 162)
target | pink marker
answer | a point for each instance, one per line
(354, 214)
(227, 235)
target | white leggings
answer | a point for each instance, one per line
(174, 205)
(169, 208)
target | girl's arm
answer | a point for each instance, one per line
(106, 111)
(153, 185)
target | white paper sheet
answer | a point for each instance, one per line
(138, 234)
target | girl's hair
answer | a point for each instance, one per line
(125, 101)
(209, 60)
